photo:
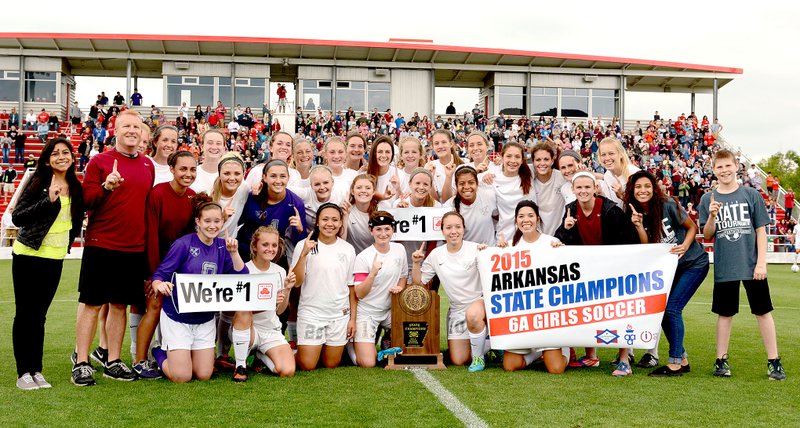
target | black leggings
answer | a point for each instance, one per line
(35, 284)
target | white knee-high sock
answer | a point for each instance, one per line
(530, 357)
(241, 345)
(351, 351)
(477, 342)
(133, 325)
(266, 360)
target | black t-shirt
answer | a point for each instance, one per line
(9, 175)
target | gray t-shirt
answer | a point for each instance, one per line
(673, 232)
(735, 251)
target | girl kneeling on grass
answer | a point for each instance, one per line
(261, 331)
(456, 267)
(187, 348)
(326, 318)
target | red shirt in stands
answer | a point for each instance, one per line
(43, 117)
(590, 227)
(116, 219)
(788, 200)
(168, 216)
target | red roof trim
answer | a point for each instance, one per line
(361, 44)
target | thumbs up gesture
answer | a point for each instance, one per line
(569, 220)
(114, 179)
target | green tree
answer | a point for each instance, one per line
(785, 167)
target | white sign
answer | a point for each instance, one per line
(418, 224)
(211, 293)
(589, 296)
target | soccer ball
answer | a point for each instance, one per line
(795, 268)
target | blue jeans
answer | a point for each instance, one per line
(6, 151)
(684, 286)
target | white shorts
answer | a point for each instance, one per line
(266, 337)
(538, 352)
(367, 325)
(457, 324)
(177, 335)
(319, 332)
(8, 187)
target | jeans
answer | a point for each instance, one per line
(19, 154)
(35, 284)
(684, 286)
(6, 151)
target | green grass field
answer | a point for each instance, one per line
(359, 397)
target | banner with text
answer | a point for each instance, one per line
(610, 296)
(210, 293)
(418, 224)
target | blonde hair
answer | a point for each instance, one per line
(216, 189)
(624, 161)
(262, 230)
(413, 140)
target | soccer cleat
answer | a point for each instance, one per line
(775, 369)
(240, 374)
(631, 360)
(100, 355)
(146, 370)
(27, 383)
(623, 369)
(478, 364)
(117, 370)
(585, 361)
(41, 381)
(647, 361)
(82, 375)
(223, 363)
(391, 351)
(721, 367)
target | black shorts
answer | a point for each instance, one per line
(76, 120)
(109, 276)
(726, 297)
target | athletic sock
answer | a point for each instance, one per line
(241, 345)
(291, 330)
(351, 351)
(133, 325)
(266, 360)
(477, 342)
(223, 338)
(530, 357)
(160, 355)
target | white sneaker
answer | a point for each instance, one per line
(41, 381)
(26, 382)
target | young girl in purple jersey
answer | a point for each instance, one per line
(187, 348)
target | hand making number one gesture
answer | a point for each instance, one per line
(114, 179)
(569, 220)
(419, 255)
(636, 217)
(295, 221)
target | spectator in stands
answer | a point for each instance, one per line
(103, 100)
(788, 202)
(4, 117)
(8, 177)
(13, 118)
(49, 215)
(180, 121)
(451, 109)
(5, 145)
(776, 188)
(53, 122)
(99, 134)
(75, 116)
(115, 187)
(18, 139)
(118, 99)
(31, 162)
(281, 98)
(30, 121)
(42, 128)
(136, 98)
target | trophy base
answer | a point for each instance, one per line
(403, 362)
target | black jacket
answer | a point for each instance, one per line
(35, 214)
(617, 228)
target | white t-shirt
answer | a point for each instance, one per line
(544, 243)
(269, 318)
(458, 273)
(239, 199)
(610, 178)
(325, 294)
(342, 182)
(509, 193)
(479, 224)
(551, 201)
(162, 173)
(204, 181)
(312, 203)
(439, 175)
(358, 233)
(395, 266)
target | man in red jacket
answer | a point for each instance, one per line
(114, 264)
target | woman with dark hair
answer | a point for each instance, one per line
(323, 267)
(165, 143)
(381, 156)
(529, 236)
(658, 218)
(49, 216)
(513, 184)
(478, 205)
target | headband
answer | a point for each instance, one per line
(381, 220)
(420, 171)
(584, 174)
(230, 157)
(570, 153)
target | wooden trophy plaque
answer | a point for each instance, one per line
(415, 329)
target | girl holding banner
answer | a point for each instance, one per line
(476, 203)
(261, 331)
(326, 316)
(187, 348)
(49, 215)
(457, 269)
(379, 271)
(168, 216)
(658, 218)
(358, 210)
(595, 220)
(421, 184)
(528, 236)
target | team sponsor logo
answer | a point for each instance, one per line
(630, 335)
(606, 336)
(437, 224)
(265, 291)
(194, 251)
(646, 336)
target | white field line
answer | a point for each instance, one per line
(456, 407)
